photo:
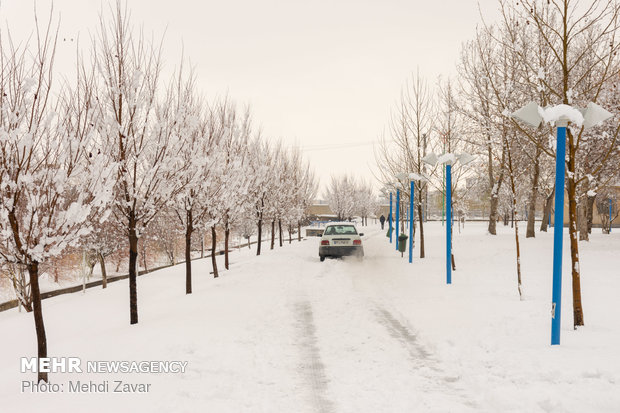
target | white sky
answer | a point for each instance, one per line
(319, 74)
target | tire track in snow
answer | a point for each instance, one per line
(312, 367)
(420, 356)
(402, 333)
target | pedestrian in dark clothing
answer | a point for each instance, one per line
(382, 221)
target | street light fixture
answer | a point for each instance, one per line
(560, 115)
(430, 159)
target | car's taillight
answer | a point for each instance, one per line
(325, 242)
(357, 242)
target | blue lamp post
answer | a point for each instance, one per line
(561, 115)
(397, 213)
(610, 219)
(448, 224)
(401, 179)
(443, 181)
(411, 189)
(412, 178)
(448, 159)
(558, 232)
(409, 212)
(390, 218)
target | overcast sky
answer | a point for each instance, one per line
(319, 74)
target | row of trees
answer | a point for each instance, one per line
(422, 121)
(550, 52)
(348, 197)
(115, 147)
(559, 52)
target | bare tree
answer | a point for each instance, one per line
(475, 69)
(410, 127)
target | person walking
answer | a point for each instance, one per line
(382, 221)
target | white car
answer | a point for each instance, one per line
(340, 239)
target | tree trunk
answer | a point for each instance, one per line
(453, 262)
(572, 229)
(280, 231)
(298, 231)
(531, 215)
(202, 246)
(493, 215)
(547, 211)
(530, 231)
(518, 260)
(33, 272)
(226, 239)
(516, 223)
(133, 271)
(421, 229)
(495, 187)
(582, 220)
(213, 245)
(605, 224)
(104, 274)
(189, 228)
(290, 235)
(273, 233)
(259, 235)
(144, 254)
(590, 212)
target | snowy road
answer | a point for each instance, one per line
(372, 356)
(286, 333)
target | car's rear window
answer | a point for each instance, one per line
(340, 230)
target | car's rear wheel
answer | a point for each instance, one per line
(322, 258)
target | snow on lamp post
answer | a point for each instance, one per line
(448, 159)
(560, 116)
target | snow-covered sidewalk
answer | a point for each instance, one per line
(284, 332)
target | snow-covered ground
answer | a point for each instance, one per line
(284, 332)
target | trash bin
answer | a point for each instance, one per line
(402, 243)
